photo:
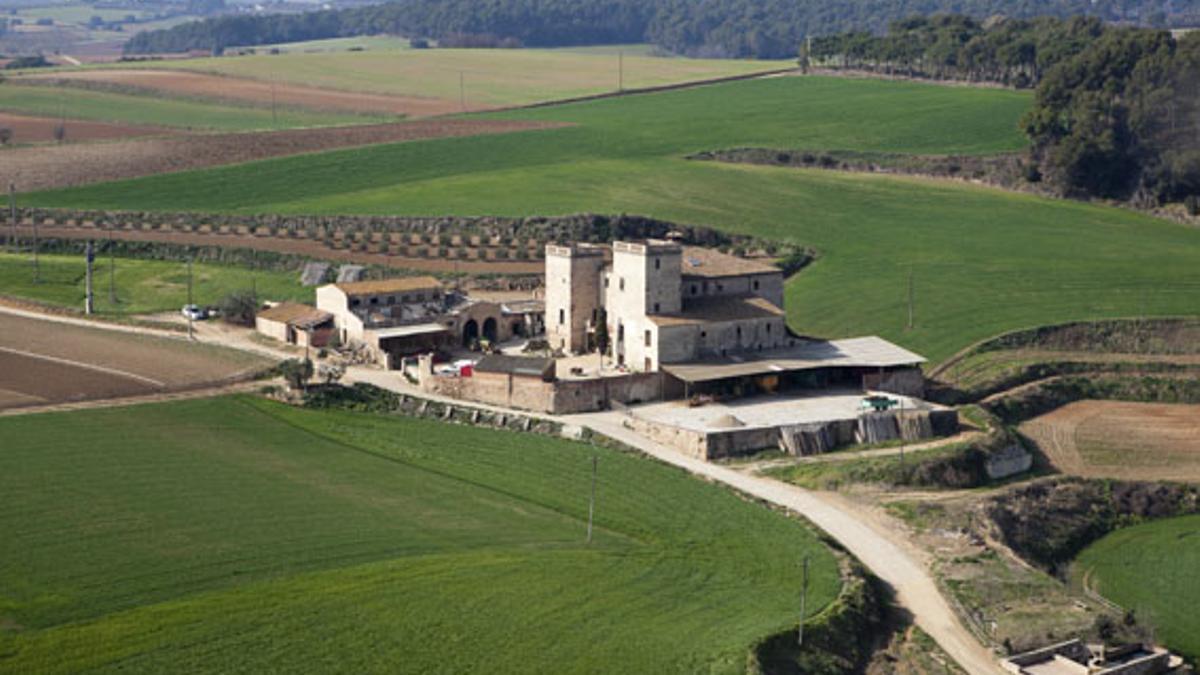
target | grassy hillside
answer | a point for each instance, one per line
(237, 535)
(1152, 569)
(142, 285)
(491, 77)
(105, 106)
(982, 260)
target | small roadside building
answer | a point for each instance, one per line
(295, 324)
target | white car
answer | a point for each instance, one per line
(194, 312)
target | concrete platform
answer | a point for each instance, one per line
(767, 411)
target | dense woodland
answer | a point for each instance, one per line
(717, 28)
(1116, 112)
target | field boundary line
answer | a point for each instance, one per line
(86, 366)
(641, 90)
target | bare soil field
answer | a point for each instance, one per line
(45, 361)
(259, 92)
(42, 168)
(1115, 439)
(28, 129)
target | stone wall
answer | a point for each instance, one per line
(560, 397)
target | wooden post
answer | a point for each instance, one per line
(89, 304)
(191, 334)
(803, 600)
(12, 216)
(592, 501)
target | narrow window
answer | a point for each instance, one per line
(693, 289)
(658, 263)
(656, 305)
(562, 316)
(768, 329)
(374, 301)
(756, 284)
(647, 338)
(622, 285)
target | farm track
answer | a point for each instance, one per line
(875, 540)
(60, 166)
(302, 247)
(33, 129)
(243, 90)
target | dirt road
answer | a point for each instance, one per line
(872, 542)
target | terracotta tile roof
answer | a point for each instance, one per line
(719, 309)
(398, 285)
(709, 262)
(295, 314)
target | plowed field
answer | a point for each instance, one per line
(53, 362)
(1115, 439)
(42, 168)
(28, 129)
(259, 92)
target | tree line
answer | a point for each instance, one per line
(1116, 112)
(714, 28)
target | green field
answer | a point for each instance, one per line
(490, 77)
(1154, 569)
(371, 42)
(238, 535)
(158, 110)
(142, 285)
(982, 260)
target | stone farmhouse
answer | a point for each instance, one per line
(396, 318)
(712, 322)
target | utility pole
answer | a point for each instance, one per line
(803, 601)
(89, 305)
(112, 268)
(12, 216)
(37, 270)
(910, 297)
(191, 335)
(592, 501)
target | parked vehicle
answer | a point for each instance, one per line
(194, 312)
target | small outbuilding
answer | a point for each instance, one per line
(517, 366)
(295, 324)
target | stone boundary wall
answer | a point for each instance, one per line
(559, 397)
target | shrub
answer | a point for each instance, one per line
(239, 308)
(296, 372)
(1192, 203)
(6, 135)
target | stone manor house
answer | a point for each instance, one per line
(662, 302)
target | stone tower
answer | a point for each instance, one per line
(573, 294)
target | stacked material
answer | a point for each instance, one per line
(914, 425)
(314, 273)
(807, 439)
(877, 427)
(348, 274)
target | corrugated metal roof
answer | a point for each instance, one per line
(517, 365)
(406, 331)
(862, 352)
